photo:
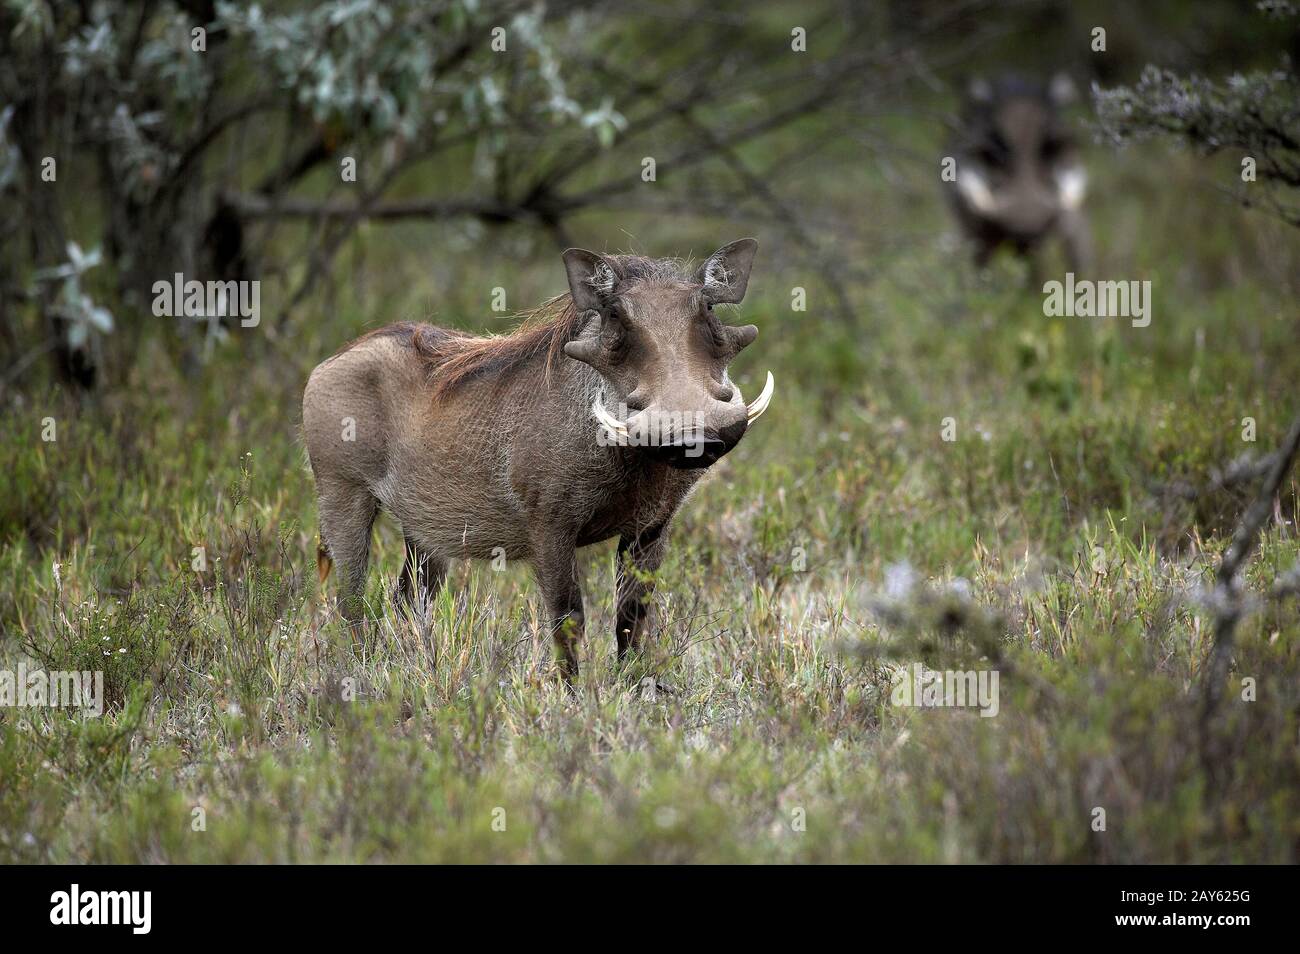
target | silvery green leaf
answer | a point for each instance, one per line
(75, 257)
(95, 315)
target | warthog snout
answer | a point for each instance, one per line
(690, 446)
(684, 439)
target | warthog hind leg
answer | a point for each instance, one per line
(347, 514)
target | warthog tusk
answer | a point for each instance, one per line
(976, 191)
(1071, 186)
(760, 403)
(616, 428)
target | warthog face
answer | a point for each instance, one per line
(662, 351)
(1017, 168)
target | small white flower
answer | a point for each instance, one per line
(665, 816)
(899, 580)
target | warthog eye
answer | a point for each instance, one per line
(993, 151)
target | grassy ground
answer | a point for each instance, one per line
(1044, 541)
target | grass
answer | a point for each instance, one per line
(1043, 541)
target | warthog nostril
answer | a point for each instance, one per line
(695, 448)
(697, 453)
(732, 433)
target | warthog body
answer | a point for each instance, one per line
(1019, 178)
(494, 447)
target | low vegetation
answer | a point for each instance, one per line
(1067, 537)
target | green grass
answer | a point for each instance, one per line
(235, 699)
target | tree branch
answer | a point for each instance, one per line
(1228, 606)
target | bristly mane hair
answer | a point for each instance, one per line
(453, 357)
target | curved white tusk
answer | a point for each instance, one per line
(976, 191)
(1071, 186)
(616, 428)
(760, 403)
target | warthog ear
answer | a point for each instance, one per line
(725, 273)
(592, 279)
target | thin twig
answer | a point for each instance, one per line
(1228, 604)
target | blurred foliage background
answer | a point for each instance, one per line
(210, 139)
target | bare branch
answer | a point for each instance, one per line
(1228, 605)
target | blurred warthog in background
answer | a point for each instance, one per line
(1019, 178)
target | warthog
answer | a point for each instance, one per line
(593, 420)
(1019, 178)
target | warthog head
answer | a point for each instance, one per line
(653, 334)
(1018, 169)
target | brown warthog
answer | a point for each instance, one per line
(507, 446)
(1019, 178)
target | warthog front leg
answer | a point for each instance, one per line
(1077, 238)
(639, 557)
(422, 577)
(556, 569)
